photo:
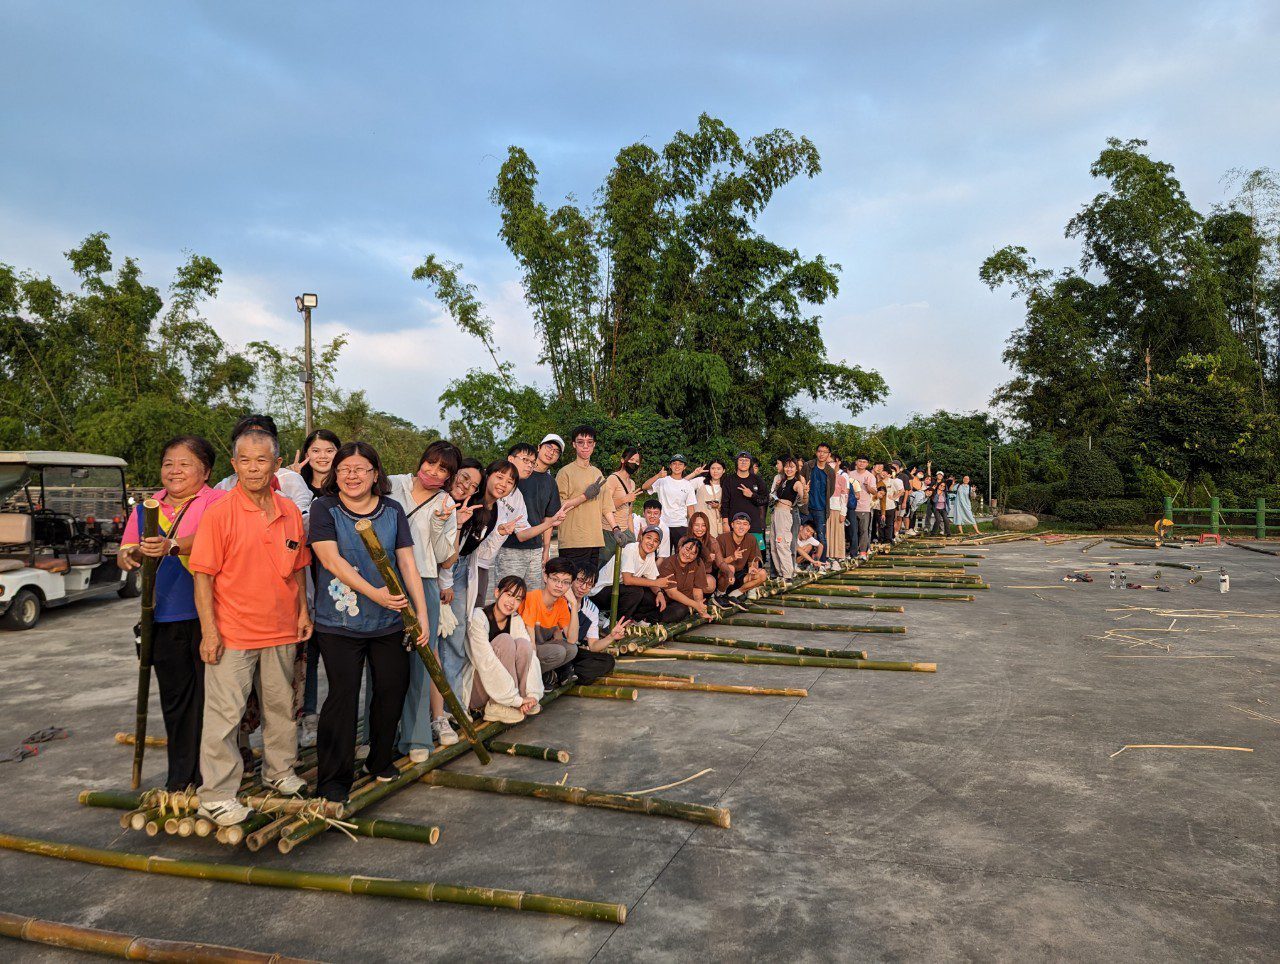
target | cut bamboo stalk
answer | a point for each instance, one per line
(604, 692)
(268, 803)
(659, 684)
(364, 528)
(128, 739)
(778, 659)
(533, 752)
(150, 529)
(802, 603)
(919, 584)
(639, 672)
(310, 880)
(700, 640)
(234, 835)
(653, 806)
(888, 594)
(766, 610)
(894, 575)
(205, 827)
(394, 830)
(757, 623)
(131, 947)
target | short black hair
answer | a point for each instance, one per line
(263, 423)
(582, 430)
(652, 504)
(521, 448)
(381, 484)
(689, 541)
(200, 447)
(512, 584)
(586, 572)
(558, 565)
(823, 445)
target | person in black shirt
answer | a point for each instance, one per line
(744, 492)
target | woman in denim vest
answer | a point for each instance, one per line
(357, 619)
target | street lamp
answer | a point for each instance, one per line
(305, 303)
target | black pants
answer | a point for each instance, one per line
(676, 533)
(639, 603)
(589, 666)
(940, 522)
(344, 658)
(175, 656)
(585, 556)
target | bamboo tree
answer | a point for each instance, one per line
(150, 529)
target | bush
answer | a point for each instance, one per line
(1033, 497)
(1104, 513)
(1092, 467)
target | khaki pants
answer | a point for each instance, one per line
(226, 690)
(783, 548)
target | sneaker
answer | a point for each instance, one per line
(444, 733)
(225, 813)
(307, 730)
(419, 754)
(291, 785)
(497, 713)
(386, 776)
(362, 752)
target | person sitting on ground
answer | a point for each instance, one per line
(809, 548)
(652, 516)
(719, 572)
(358, 618)
(249, 562)
(690, 577)
(738, 546)
(641, 591)
(553, 621)
(502, 675)
(593, 661)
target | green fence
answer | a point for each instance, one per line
(1215, 517)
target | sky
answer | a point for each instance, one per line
(329, 147)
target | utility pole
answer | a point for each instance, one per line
(989, 475)
(305, 303)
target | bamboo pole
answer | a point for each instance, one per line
(394, 830)
(234, 835)
(364, 528)
(758, 623)
(617, 579)
(150, 529)
(529, 750)
(128, 739)
(893, 576)
(820, 595)
(654, 806)
(642, 673)
(778, 659)
(766, 610)
(274, 803)
(261, 876)
(921, 584)
(700, 640)
(801, 603)
(130, 947)
(604, 692)
(276, 825)
(660, 684)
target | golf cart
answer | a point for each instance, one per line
(61, 518)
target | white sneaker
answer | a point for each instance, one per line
(497, 713)
(291, 785)
(225, 813)
(419, 755)
(444, 733)
(307, 730)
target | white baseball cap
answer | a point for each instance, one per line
(552, 437)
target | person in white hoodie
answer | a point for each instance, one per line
(502, 675)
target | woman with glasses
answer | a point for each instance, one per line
(428, 506)
(358, 618)
(502, 675)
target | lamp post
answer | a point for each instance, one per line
(989, 476)
(305, 303)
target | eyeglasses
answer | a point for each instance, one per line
(354, 471)
(464, 483)
(560, 581)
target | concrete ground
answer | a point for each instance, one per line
(976, 813)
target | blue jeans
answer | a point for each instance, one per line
(415, 721)
(818, 518)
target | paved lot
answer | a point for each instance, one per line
(976, 813)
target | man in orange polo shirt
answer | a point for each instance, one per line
(249, 562)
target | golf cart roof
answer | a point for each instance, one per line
(74, 459)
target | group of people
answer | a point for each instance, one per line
(264, 577)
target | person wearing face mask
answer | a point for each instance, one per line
(616, 498)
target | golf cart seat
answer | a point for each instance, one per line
(78, 559)
(11, 565)
(15, 528)
(52, 564)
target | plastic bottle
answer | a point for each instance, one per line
(1124, 580)
(1113, 579)
(1224, 581)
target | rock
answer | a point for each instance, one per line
(1016, 522)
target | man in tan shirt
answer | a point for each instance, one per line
(579, 484)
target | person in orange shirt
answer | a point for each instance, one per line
(554, 623)
(249, 561)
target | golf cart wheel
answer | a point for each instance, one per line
(23, 612)
(131, 589)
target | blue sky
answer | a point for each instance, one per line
(328, 147)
